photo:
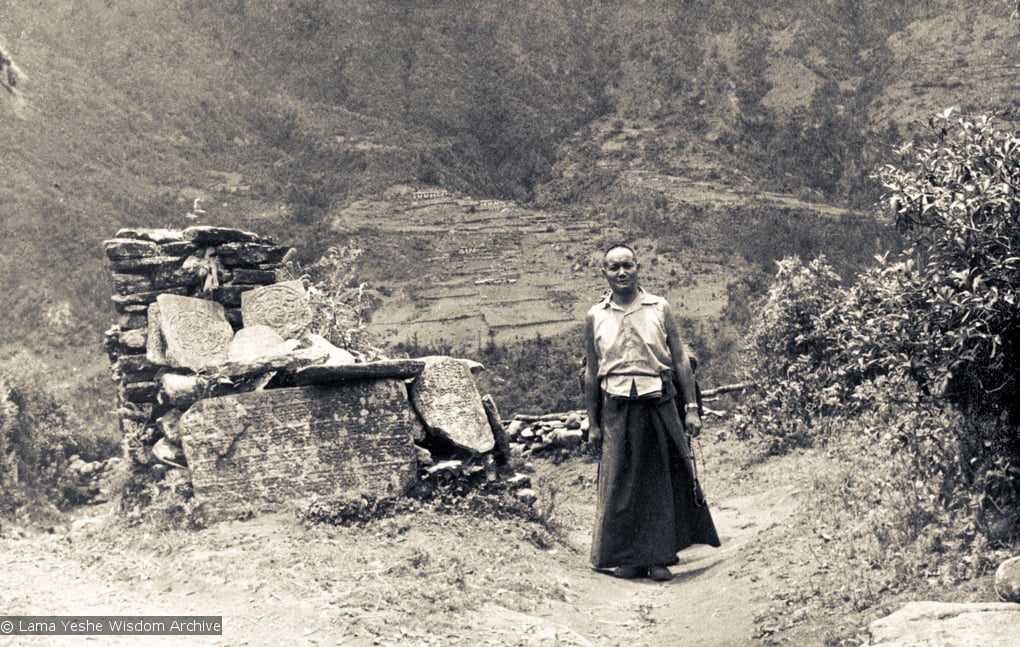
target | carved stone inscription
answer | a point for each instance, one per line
(447, 399)
(255, 452)
(281, 306)
(195, 331)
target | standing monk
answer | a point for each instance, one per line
(648, 507)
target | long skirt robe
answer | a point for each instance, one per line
(647, 508)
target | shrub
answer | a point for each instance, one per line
(39, 433)
(340, 304)
(936, 329)
(789, 353)
(958, 202)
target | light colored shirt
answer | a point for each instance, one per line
(631, 345)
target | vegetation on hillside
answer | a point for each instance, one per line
(911, 368)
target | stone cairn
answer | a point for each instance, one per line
(214, 264)
(223, 390)
(541, 435)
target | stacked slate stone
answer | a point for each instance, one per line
(226, 397)
(535, 435)
(212, 263)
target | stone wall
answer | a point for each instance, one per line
(223, 388)
(215, 264)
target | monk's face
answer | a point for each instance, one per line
(621, 270)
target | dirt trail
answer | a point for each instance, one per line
(272, 581)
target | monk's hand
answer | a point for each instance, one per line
(595, 436)
(693, 423)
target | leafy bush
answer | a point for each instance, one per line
(959, 204)
(935, 329)
(340, 304)
(39, 433)
(790, 352)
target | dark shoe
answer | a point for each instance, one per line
(659, 573)
(672, 562)
(629, 572)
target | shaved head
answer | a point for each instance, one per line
(616, 247)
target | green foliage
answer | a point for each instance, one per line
(934, 331)
(527, 376)
(790, 354)
(39, 433)
(340, 304)
(958, 201)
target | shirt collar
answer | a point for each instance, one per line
(646, 299)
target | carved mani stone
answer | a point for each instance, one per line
(281, 306)
(259, 451)
(447, 399)
(195, 331)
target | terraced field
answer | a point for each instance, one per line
(467, 275)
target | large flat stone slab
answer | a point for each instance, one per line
(332, 374)
(195, 331)
(262, 451)
(447, 399)
(983, 624)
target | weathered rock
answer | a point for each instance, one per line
(133, 339)
(392, 369)
(176, 276)
(253, 276)
(501, 448)
(139, 392)
(565, 438)
(146, 264)
(131, 283)
(447, 399)
(134, 368)
(472, 365)
(143, 299)
(169, 424)
(179, 390)
(257, 452)
(167, 452)
(155, 346)
(155, 235)
(284, 361)
(513, 429)
(1007, 580)
(196, 331)
(132, 320)
(232, 296)
(424, 456)
(251, 255)
(139, 412)
(337, 356)
(129, 248)
(281, 306)
(253, 342)
(940, 623)
(209, 235)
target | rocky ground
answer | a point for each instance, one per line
(459, 574)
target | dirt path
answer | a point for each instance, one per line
(278, 582)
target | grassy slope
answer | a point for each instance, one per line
(131, 111)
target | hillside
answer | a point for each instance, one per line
(682, 126)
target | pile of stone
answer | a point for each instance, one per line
(530, 435)
(199, 275)
(223, 387)
(89, 480)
